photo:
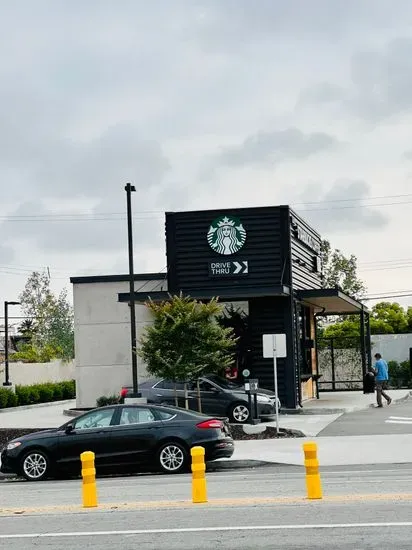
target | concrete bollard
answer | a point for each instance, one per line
(313, 482)
(199, 490)
(89, 488)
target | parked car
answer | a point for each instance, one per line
(122, 437)
(219, 397)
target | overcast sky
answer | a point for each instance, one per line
(202, 104)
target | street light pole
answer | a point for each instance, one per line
(129, 189)
(6, 342)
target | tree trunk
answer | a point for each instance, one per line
(175, 393)
(199, 400)
(186, 397)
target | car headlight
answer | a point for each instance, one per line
(263, 399)
(13, 445)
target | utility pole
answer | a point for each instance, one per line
(129, 190)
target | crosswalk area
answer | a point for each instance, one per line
(399, 420)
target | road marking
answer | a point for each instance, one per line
(224, 502)
(227, 528)
(398, 422)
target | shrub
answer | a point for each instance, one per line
(399, 374)
(4, 394)
(37, 393)
(28, 395)
(46, 392)
(57, 392)
(12, 399)
(69, 389)
(107, 400)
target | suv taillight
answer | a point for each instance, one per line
(210, 424)
(123, 392)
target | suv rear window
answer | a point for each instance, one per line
(169, 385)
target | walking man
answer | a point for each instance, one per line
(381, 372)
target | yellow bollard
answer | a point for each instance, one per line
(199, 491)
(313, 483)
(89, 480)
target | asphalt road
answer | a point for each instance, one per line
(393, 419)
(363, 508)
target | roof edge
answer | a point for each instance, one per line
(117, 278)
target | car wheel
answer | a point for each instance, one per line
(35, 466)
(239, 413)
(172, 458)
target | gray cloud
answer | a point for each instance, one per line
(322, 93)
(381, 81)
(348, 215)
(6, 255)
(276, 147)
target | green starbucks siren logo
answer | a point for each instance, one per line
(226, 235)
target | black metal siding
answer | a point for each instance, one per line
(189, 254)
(272, 316)
(304, 275)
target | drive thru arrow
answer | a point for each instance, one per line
(246, 267)
(238, 267)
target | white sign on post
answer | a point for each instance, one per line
(274, 346)
(274, 342)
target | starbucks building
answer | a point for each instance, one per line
(265, 261)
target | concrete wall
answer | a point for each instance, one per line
(26, 374)
(102, 338)
(393, 347)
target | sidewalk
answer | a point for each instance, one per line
(347, 401)
(46, 415)
(332, 451)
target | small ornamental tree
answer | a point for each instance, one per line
(186, 341)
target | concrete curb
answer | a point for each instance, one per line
(218, 466)
(37, 406)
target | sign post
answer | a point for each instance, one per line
(274, 346)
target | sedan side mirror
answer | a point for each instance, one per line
(69, 429)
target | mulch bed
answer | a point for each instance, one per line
(238, 433)
(7, 434)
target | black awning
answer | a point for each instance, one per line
(331, 301)
(222, 293)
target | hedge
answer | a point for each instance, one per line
(37, 393)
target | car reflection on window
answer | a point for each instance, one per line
(96, 419)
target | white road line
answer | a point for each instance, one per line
(398, 422)
(208, 530)
(400, 418)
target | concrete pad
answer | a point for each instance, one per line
(310, 425)
(47, 415)
(332, 451)
(347, 401)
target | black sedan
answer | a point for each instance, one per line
(218, 396)
(122, 437)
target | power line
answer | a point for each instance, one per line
(150, 214)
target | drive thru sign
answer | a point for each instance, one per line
(274, 346)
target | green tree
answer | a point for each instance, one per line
(185, 340)
(340, 271)
(385, 318)
(392, 316)
(49, 320)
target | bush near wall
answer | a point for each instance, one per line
(400, 374)
(37, 393)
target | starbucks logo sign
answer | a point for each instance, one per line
(226, 235)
